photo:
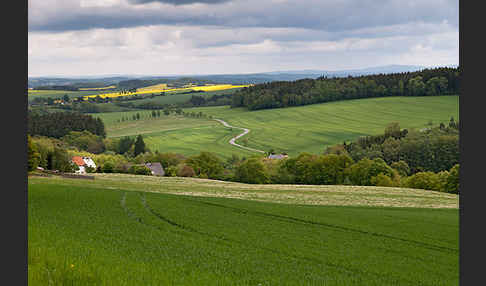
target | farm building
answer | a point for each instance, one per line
(156, 168)
(82, 163)
(277, 156)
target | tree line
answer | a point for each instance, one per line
(432, 149)
(428, 82)
(336, 168)
(58, 124)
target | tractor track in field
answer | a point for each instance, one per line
(341, 268)
(342, 228)
(232, 140)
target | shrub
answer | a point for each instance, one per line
(171, 171)
(33, 155)
(452, 182)
(251, 171)
(139, 170)
(90, 169)
(401, 167)
(108, 167)
(361, 172)
(382, 180)
(206, 165)
(185, 171)
(443, 176)
(424, 180)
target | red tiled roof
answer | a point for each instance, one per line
(78, 160)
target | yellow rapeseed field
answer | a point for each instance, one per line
(141, 91)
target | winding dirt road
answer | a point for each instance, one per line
(232, 140)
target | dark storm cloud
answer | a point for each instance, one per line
(334, 16)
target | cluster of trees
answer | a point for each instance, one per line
(85, 140)
(194, 101)
(166, 111)
(50, 100)
(199, 114)
(129, 146)
(428, 82)
(48, 153)
(431, 149)
(215, 100)
(325, 169)
(56, 87)
(58, 124)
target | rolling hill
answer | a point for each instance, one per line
(293, 130)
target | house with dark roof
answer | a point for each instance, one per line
(277, 156)
(156, 168)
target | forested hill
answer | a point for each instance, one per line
(428, 82)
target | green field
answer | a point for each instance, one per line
(60, 93)
(294, 130)
(138, 230)
(174, 97)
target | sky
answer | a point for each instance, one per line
(183, 37)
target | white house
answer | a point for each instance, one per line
(89, 162)
(82, 163)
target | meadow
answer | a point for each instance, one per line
(137, 230)
(32, 94)
(293, 130)
(176, 97)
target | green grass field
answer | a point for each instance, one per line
(294, 130)
(313, 127)
(138, 230)
(178, 97)
(60, 93)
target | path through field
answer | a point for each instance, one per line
(232, 140)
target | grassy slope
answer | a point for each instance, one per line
(298, 129)
(173, 133)
(313, 127)
(107, 231)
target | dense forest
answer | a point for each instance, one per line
(58, 124)
(432, 149)
(428, 82)
(57, 87)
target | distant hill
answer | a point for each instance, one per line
(251, 78)
(35, 82)
(256, 78)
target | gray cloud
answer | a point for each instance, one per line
(157, 37)
(331, 15)
(179, 2)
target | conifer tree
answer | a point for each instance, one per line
(139, 146)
